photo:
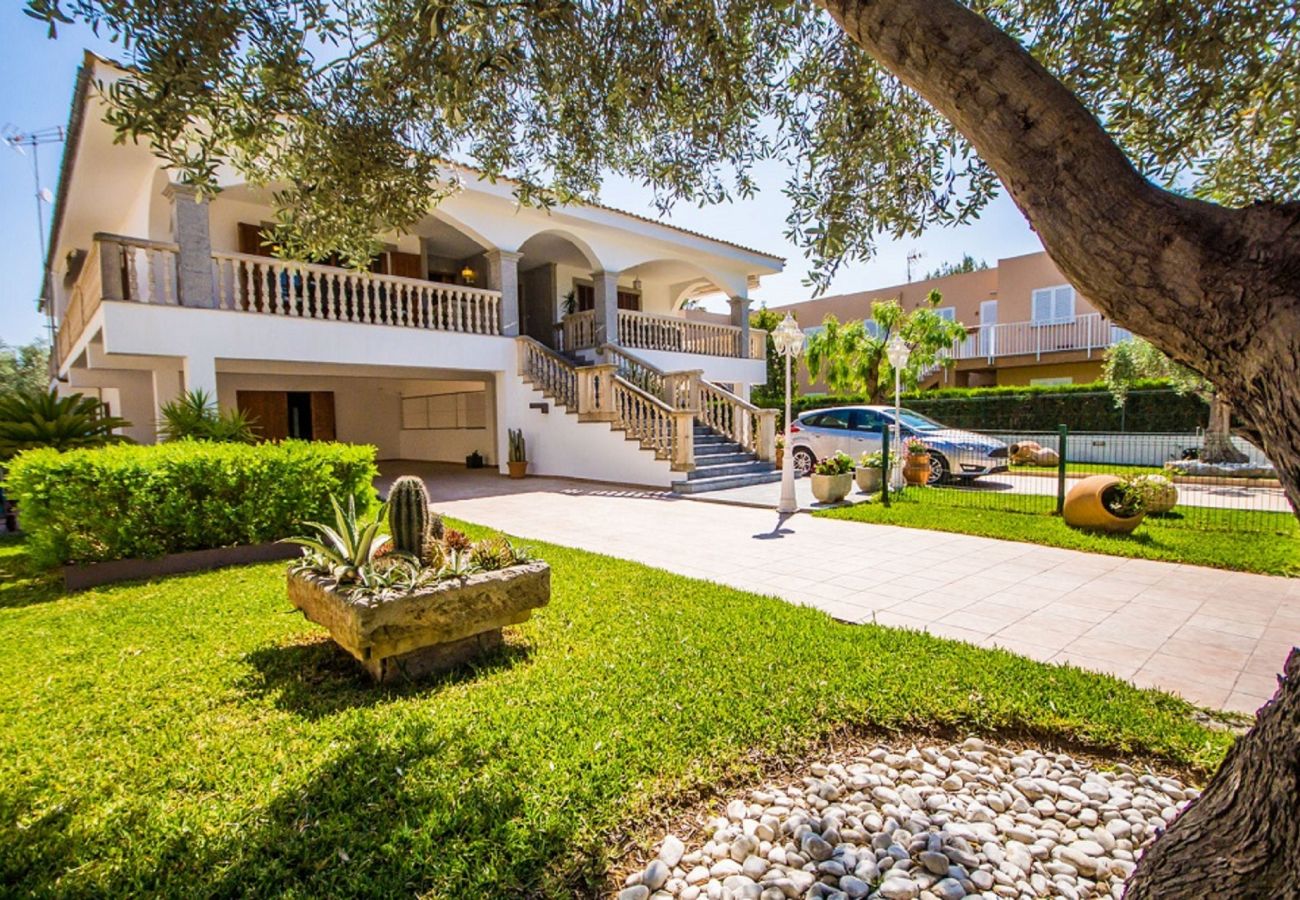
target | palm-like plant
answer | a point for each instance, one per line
(44, 419)
(344, 548)
(196, 416)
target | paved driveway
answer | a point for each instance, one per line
(1218, 638)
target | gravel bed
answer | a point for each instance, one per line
(930, 823)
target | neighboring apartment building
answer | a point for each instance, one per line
(1025, 323)
(485, 316)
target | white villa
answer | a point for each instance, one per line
(485, 316)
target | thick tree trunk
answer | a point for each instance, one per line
(1241, 839)
(1217, 289)
(1218, 437)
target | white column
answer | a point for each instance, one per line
(190, 232)
(200, 374)
(740, 319)
(605, 286)
(503, 276)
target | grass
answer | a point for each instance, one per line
(1084, 468)
(1272, 550)
(194, 736)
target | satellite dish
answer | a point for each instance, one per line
(46, 195)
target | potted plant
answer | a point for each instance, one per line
(474, 460)
(1163, 494)
(916, 470)
(1107, 503)
(832, 478)
(868, 472)
(518, 462)
(422, 600)
(780, 451)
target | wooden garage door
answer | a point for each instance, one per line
(270, 410)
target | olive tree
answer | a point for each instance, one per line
(1152, 145)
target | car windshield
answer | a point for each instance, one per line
(914, 420)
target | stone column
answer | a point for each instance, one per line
(503, 276)
(190, 233)
(740, 319)
(605, 285)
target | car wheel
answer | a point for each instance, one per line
(803, 461)
(939, 471)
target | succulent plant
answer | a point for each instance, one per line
(408, 516)
(456, 541)
(518, 448)
(341, 550)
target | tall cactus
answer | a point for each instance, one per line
(408, 516)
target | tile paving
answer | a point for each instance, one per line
(1217, 638)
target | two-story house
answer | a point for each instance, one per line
(1025, 324)
(483, 316)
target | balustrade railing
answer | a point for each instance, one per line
(554, 375)
(647, 331)
(308, 291)
(117, 268)
(1089, 332)
(576, 331)
(757, 344)
(737, 420)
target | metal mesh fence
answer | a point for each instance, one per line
(1202, 491)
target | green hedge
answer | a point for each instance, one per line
(1041, 408)
(129, 501)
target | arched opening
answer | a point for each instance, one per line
(555, 281)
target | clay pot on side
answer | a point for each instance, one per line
(831, 488)
(916, 471)
(868, 479)
(1085, 507)
(518, 469)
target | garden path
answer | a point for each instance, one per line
(1217, 638)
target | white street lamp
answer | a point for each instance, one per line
(788, 340)
(897, 352)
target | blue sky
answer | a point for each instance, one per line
(38, 75)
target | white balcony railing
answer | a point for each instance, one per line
(1089, 333)
(275, 287)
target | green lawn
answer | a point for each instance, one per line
(196, 737)
(1273, 550)
(1083, 468)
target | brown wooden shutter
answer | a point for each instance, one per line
(407, 265)
(252, 239)
(322, 415)
(269, 410)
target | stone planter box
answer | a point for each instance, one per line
(432, 630)
(831, 488)
(868, 479)
(1084, 507)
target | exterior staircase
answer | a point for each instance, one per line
(721, 464)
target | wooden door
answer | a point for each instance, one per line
(407, 265)
(322, 415)
(269, 411)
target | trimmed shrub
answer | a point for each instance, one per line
(1152, 407)
(124, 502)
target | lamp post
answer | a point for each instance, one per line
(897, 352)
(788, 340)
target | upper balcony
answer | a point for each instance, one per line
(1082, 334)
(135, 270)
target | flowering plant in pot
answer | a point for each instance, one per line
(916, 471)
(868, 473)
(780, 450)
(832, 478)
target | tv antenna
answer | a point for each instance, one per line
(912, 257)
(20, 141)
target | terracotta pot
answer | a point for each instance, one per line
(1084, 507)
(780, 456)
(916, 471)
(868, 479)
(1164, 496)
(518, 469)
(831, 488)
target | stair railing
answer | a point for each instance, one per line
(738, 420)
(597, 393)
(677, 389)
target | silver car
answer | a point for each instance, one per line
(954, 454)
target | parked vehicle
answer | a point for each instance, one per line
(954, 454)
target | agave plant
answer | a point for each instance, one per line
(36, 419)
(196, 416)
(343, 549)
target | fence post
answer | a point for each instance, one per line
(1064, 431)
(884, 465)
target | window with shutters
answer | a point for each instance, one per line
(947, 313)
(1053, 305)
